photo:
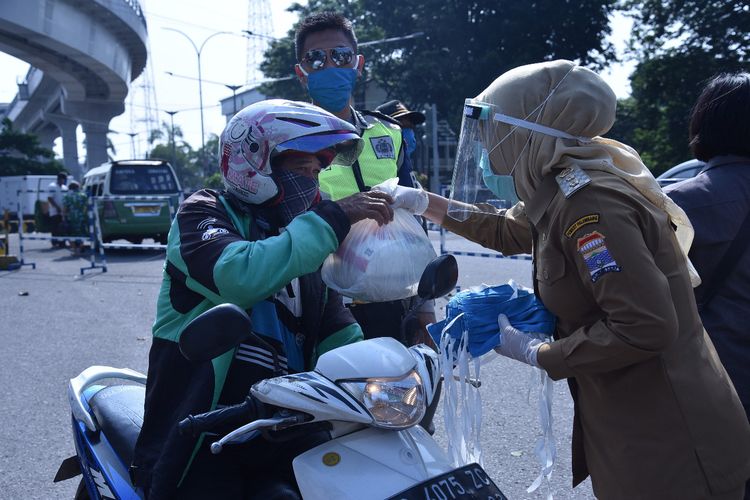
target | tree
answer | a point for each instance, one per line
(21, 154)
(679, 44)
(718, 28)
(468, 43)
(465, 43)
(664, 89)
(183, 158)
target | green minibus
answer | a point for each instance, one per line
(140, 193)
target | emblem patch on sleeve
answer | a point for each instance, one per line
(596, 255)
(586, 219)
(383, 147)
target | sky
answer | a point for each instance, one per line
(223, 61)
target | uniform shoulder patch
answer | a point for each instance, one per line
(596, 255)
(383, 147)
(571, 180)
(586, 219)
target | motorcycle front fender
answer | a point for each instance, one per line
(369, 464)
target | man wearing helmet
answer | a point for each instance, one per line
(328, 68)
(260, 245)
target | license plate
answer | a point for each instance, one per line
(146, 210)
(470, 481)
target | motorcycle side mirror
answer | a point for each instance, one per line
(215, 332)
(439, 277)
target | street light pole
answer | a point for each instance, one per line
(171, 135)
(132, 143)
(233, 88)
(198, 51)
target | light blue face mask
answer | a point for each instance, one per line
(491, 180)
(331, 88)
(410, 140)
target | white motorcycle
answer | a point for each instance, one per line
(372, 397)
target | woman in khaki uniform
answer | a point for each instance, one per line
(656, 415)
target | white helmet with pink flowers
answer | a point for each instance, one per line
(261, 131)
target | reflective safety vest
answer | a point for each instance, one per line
(378, 161)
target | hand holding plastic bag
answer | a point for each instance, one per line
(380, 263)
(410, 199)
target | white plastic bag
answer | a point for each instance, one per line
(379, 263)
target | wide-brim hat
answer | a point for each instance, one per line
(398, 111)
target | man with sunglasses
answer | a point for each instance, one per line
(328, 68)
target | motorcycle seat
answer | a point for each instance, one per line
(118, 410)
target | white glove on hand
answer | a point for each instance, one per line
(515, 344)
(411, 199)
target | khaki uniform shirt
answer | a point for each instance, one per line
(655, 413)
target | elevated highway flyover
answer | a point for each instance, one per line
(83, 56)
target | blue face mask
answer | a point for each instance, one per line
(331, 88)
(409, 139)
(475, 311)
(498, 184)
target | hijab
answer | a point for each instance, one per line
(569, 98)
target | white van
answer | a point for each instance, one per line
(134, 219)
(30, 191)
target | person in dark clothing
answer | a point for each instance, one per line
(408, 120)
(259, 245)
(717, 201)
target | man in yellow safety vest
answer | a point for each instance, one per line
(328, 68)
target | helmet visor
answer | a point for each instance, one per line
(347, 145)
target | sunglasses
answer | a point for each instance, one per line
(340, 56)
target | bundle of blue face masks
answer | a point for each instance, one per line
(475, 311)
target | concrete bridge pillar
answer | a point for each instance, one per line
(94, 118)
(47, 136)
(69, 136)
(96, 143)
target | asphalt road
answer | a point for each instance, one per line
(54, 323)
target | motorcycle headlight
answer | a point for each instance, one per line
(394, 403)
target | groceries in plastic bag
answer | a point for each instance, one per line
(379, 263)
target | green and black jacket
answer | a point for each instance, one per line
(217, 254)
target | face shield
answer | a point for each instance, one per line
(472, 159)
(487, 132)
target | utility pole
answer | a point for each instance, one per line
(435, 176)
(259, 29)
(132, 144)
(233, 88)
(171, 136)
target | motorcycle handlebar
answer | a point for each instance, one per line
(230, 416)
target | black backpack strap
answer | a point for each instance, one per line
(357, 171)
(727, 264)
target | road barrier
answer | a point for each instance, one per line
(94, 239)
(488, 255)
(445, 191)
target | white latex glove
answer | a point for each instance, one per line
(515, 344)
(411, 199)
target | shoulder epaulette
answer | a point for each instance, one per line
(380, 116)
(571, 180)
